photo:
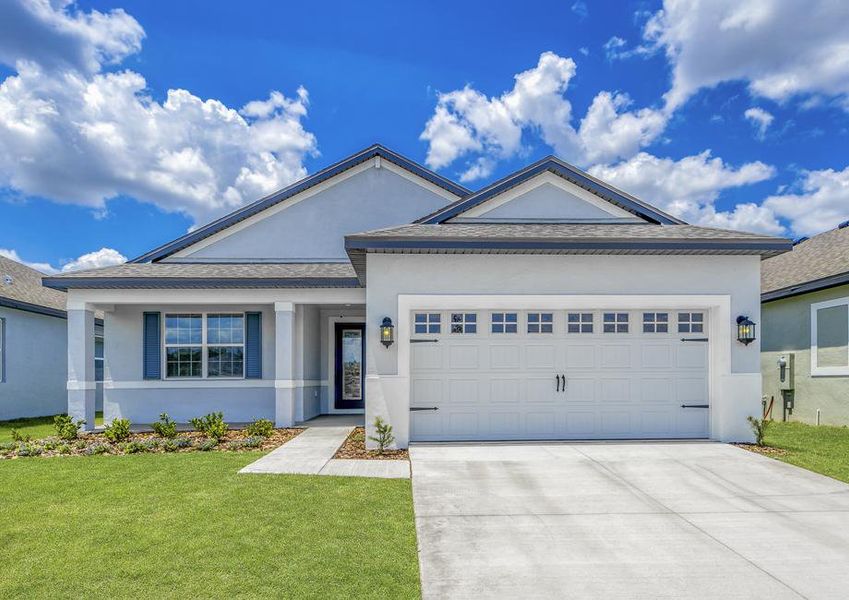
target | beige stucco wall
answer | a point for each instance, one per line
(786, 327)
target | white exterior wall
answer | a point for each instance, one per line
(36, 361)
(727, 286)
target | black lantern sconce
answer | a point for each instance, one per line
(745, 330)
(387, 332)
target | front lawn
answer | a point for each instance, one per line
(35, 427)
(187, 525)
(822, 449)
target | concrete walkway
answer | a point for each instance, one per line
(311, 453)
(626, 520)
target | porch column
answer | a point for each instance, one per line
(284, 364)
(82, 387)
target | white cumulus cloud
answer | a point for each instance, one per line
(760, 118)
(104, 257)
(72, 132)
(467, 122)
(688, 188)
(780, 48)
(820, 203)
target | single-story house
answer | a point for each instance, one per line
(34, 345)
(548, 305)
(805, 312)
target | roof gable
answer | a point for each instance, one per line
(583, 186)
(376, 153)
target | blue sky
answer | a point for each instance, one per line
(126, 123)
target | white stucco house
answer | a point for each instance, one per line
(33, 345)
(548, 305)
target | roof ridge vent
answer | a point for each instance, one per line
(843, 225)
(800, 240)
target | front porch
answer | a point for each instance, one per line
(248, 354)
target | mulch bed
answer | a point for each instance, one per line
(765, 450)
(355, 447)
(185, 441)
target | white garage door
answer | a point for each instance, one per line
(567, 374)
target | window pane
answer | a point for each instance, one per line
(510, 328)
(98, 347)
(421, 328)
(183, 362)
(512, 318)
(421, 318)
(225, 361)
(225, 329)
(832, 334)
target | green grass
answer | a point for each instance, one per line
(36, 427)
(187, 525)
(822, 449)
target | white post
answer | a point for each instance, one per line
(82, 388)
(284, 364)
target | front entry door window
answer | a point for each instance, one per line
(350, 365)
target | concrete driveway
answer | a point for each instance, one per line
(626, 520)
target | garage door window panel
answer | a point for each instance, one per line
(540, 322)
(691, 322)
(579, 322)
(464, 323)
(425, 323)
(505, 322)
(655, 322)
(615, 322)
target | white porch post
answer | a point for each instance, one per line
(82, 388)
(284, 364)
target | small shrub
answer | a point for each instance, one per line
(183, 442)
(384, 437)
(8, 447)
(134, 447)
(95, 449)
(152, 444)
(248, 442)
(118, 430)
(66, 428)
(165, 427)
(80, 444)
(260, 427)
(49, 444)
(207, 445)
(169, 446)
(759, 427)
(29, 449)
(17, 436)
(211, 425)
(63, 449)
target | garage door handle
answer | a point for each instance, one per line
(423, 341)
(695, 406)
(418, 408)
(694, 339)
(557, 381)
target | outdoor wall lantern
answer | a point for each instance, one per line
(387, 329)
(745, 330)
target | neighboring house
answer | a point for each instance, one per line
(805, 312)
(548, 305)
(33, 344)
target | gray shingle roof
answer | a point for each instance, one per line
(559, 238)
(26, 292)
(817, 263)
(209, 275)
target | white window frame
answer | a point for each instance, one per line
(540, 323)
(816, 370)
(428, 323)
(690, 323)
(616, 322)
(504, 323)
(464, 323)
(584, 326)
(653, 322)
(204, 345)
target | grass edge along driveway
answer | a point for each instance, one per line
(187, 525)
(822, 449)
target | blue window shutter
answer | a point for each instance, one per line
(151, 355)
(253, 345)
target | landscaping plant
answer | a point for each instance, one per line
(212, 425)
(66, 428)
(260, 427)
(118, 430)
(18, 437)
(384, 437)
(758, 428)
(165, 427)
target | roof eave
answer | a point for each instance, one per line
(65, 283)
(806, 288)
(33, 308)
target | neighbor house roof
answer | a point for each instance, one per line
(207, 275)
(558, 238)
(565, 170)
(814, 264)
(20, 287)
(296, 188)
